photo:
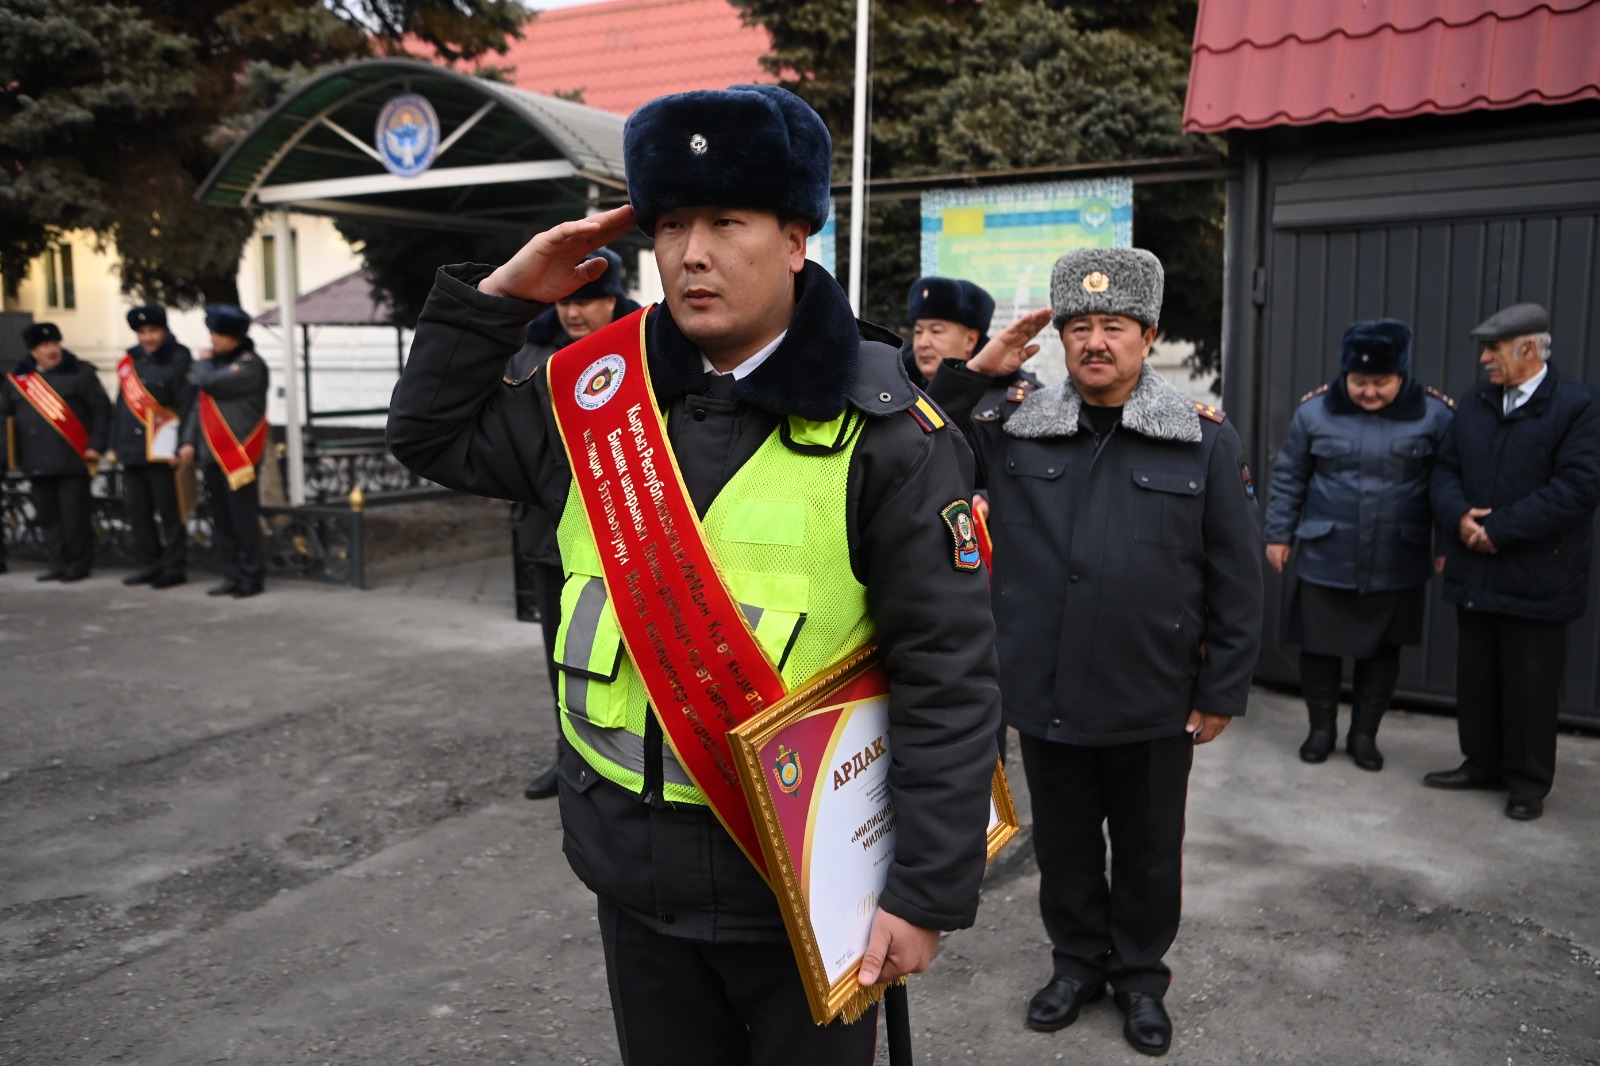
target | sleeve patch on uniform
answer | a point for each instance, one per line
(958, 519)
(1244, 476)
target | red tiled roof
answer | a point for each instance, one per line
(1298, 62)
(626, 52)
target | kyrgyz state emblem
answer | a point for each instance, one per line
(599, 382)
(786, 768)
(407, 135)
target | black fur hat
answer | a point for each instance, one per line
(148, 315)
(38, 333)
(227, 320)
(952, 299)
(1378, 346)
(607, 284)
(750, 146)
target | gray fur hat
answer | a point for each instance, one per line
(1107, 281)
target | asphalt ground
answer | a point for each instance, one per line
(290, 829)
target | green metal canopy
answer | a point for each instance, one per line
(502, 156)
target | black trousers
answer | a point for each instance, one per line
(61, 507)
(236, 517)
(1508, 689)
(689, 1003)
(150, 505)
(1119, 930)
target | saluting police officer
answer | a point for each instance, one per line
(1130, 633)
(788, 415)
(154, 387)
(949, 319)
(62, 420)
(227, 426)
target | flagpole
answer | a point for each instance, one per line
(858, 153)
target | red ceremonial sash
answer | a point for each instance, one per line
(150, 414)
(695, 653)
(54, 410)
(238, 461)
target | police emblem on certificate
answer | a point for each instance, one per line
(815, 769)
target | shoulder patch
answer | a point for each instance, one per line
(926, 412)
(1208, 411)
(1019, 391)
(958, 519)
(1437, 395)
(1314, 393)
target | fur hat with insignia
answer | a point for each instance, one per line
(227, 320)
(148, 315)
(1377, 346)
(607, 284)
(1107, 281)
(38, 333)
(748, 146)
(1518, 320)
(952, 299)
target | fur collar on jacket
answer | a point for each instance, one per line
(809, 375)
(1156, 410)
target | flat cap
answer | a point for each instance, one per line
(748, 146)
(148, 315)
(952, 299)
(1376, 346)
(1107, 281)
(1518, 320)
(228, 320)
(38, 333)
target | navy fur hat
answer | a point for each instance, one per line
(227, 320)
(1378, 346)
(38, 333)
(952, 299)
(148, 315)
(749, 146)
(607, 284)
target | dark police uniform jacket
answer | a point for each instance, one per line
(1538, 468)
(1129, 568)
(165, 373)
(454, 420)
(238, 382)
(41, 449)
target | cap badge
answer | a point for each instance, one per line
(1096, 282)
(697, 144)
(924, 294)
(1366, 357)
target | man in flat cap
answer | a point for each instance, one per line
(155, 392)
(812, 492)
(1130, 636)
(949, 320)
(226, 426)
(1514, 494)
(61, 419)
(533, 531)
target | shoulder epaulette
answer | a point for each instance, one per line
(926, 412)
(1020, 390)
(1437, 395)
(1205, 410)
(1314, 393)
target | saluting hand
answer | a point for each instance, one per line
(1009, 349)
(557, 262)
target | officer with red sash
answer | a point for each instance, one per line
(62, 419)
(829, 491)
(227, 426)
(155, 391)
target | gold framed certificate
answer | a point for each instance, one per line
(815, 770)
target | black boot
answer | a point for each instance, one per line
(1319, 682)
(1374, 685)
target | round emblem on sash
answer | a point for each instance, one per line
(600, 382)
(407, 135)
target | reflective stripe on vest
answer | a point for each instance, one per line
(779, 534)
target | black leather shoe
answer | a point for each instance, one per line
(542, 787)
(227, 588)
(1463, 776)
(1524, 809)
(142, 577)
(1319, 743)
(244, 592)
(1147, 1028)
(167, 581)
(1364, 750)
(49, 575)
(1056, 1005)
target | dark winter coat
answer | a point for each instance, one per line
(1538, 469)
(42, 450)
(1128, 567)
(455, 421)
(165, 373)
(238, 382)
(1350, 489)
